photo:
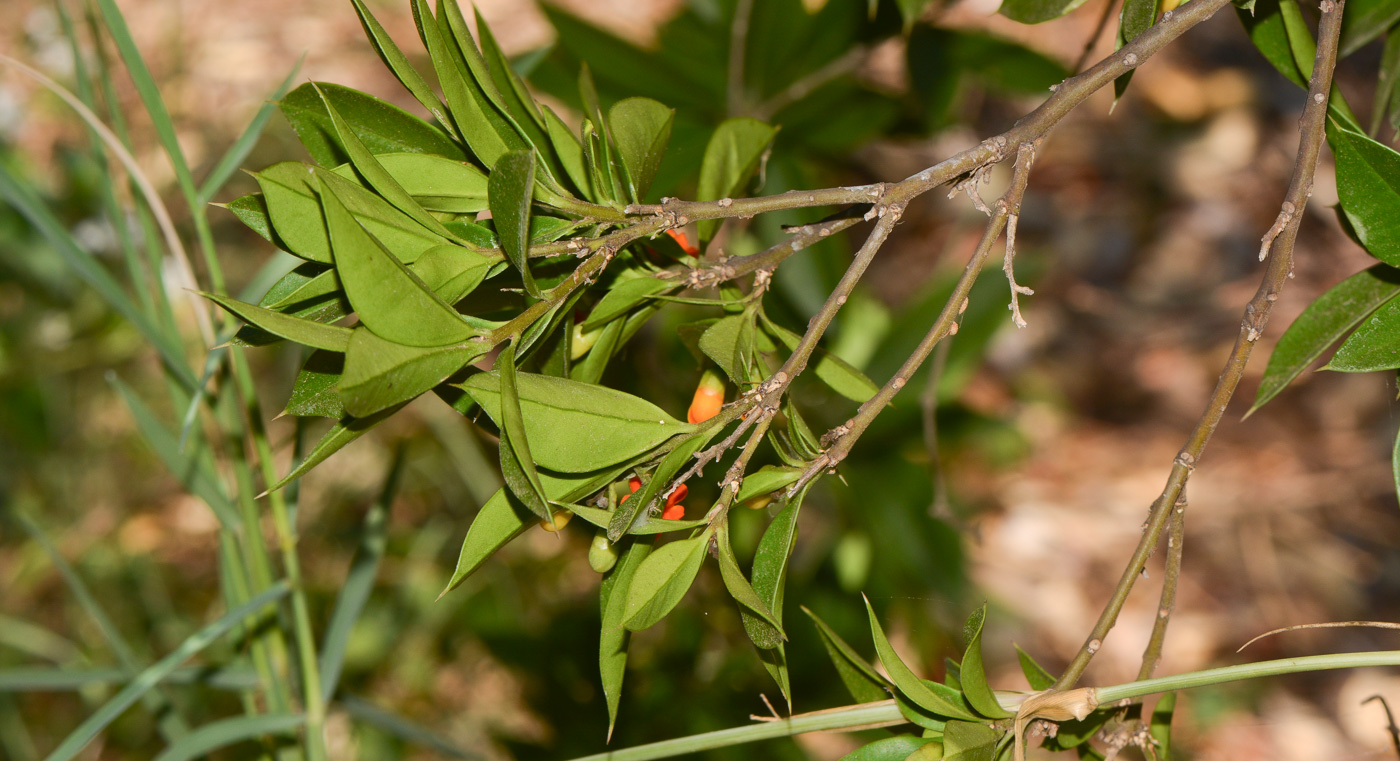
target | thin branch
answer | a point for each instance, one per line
(941, 508)
(1176, 536)
(843, 437)
(1256, 316)
(729, 269)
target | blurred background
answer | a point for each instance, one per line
(1139, 234)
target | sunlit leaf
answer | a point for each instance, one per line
(663, 579)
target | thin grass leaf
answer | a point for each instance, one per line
(221, 734)
(45, 679)
(404, 729)
(91, 727)
(350, 603)
(236, 153)
(37, 641)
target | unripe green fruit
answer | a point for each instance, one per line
(602, 555)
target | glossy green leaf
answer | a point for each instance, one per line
(452, 272)
(865, 684)
(969, 741)
(644, 526)
(1323, 323)
(733, 155)
(390, 300)
(730, 343)
(305, 332)
(510, 88)
(382, 128)
(479, 124)
(314, 393)
(517, 464)
(398, 63)
(297, 217)
(770, 564)
(296, 289)
(1136, 17)
(1160, 725)
(627, 513)
(623, 296)
(434, 182)
(1368, 186)
(333, 440)
(895, 748)
(1374, 345)
(943, 702)
(143, 682)
(251, 210)
(512, 185)
(380, 373)
(972, 674)
(569, 151)
(613, 642)
(641, 128)
(1037, 11)
(1036, 675)
(829, 368)
(577, 427)
(379, 178)
(1365, 20)
(742, 591)
(767, 480)
(663, 579)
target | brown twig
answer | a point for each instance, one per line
(1251, 328)
(1171, 577)
(1389, 722)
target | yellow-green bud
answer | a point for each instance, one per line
(602, 555)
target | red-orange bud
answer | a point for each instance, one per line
(680, 238)
(709, 398)
(674, 513)
(677, 496)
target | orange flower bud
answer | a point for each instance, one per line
(680, 238)
(634, 483)
(674, 513)
(709, 397)
(677, 496)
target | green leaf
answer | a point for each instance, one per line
(895, 748)
(1368, 187)
(835, 372)
(1037, 11)
(314, 393)
(1365, 20)
(343, 432)
(730, 343)
(861, 679)
(511, 188)
(251, 210)
(354, 593)
(595, 158)
(1386, 106)
(309, 282)
(943, 702)
(1323, 323)
(577, 427)
(1265, 26)
(1136, 17)
(570, 152)
(452, 272)
(1375, 345)
(220, 734)
(517, 464)
(502, 519)
(390, 300)
(305, 332)
(295, 210)
(663, 579)
(765, 621)
(380, 373)
(731, 158)
(645, 525)
(1036, 675)
(971, 672)
(614, 639)
(91, 727)
(770, 564)
(1160, 726)
(625, 517)
(641, 128)
(969, 741)
(434, 183)
(767, 480)
(398, 63)
(382, 128)
(625, 295)
(379, 178)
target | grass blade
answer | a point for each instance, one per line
(46, 679)
(94, 724)
(36, 640)
(363, 569)
(221, 734)
(368, 713)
